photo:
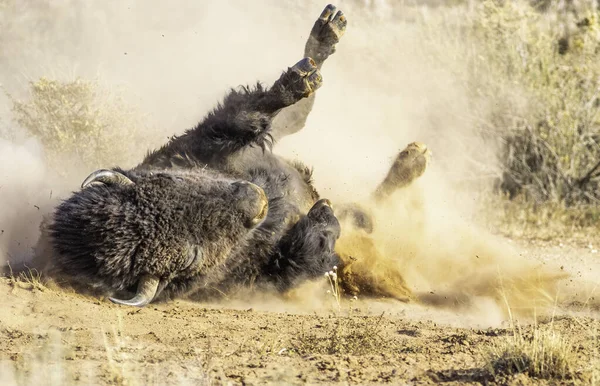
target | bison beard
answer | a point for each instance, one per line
(213, 208)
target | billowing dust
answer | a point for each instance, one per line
(385, 86)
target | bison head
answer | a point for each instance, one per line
(140, 231)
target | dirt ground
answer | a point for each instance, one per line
(51, 336)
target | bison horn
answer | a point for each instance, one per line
(105, 176)
(146, 291)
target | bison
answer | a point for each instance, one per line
(214, 208)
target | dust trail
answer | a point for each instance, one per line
(24, 199)
(386, 86)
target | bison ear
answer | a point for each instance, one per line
(107, 177)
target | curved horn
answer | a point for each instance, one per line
(146, 291)
(105, 176)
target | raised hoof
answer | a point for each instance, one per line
(302, 79)
(412, 161)
(325, 34)
(409, 165)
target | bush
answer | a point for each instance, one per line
(543, 353)
(540, 73)
(531, 74)
(78, 120)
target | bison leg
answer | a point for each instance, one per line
(325, 34)
(308, 249)
(242, 120)
(408, 166)
(356, 216)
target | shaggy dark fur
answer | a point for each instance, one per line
(193, 213)
(214, 208)
(307, 248)
(164, 224)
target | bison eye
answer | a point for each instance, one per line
(323, 242)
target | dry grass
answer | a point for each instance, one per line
(542, 353)
(341, 335)
(124, 363)
(545, 353)
(334, 284)
(29, 279)
(547, 221)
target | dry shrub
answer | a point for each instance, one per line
(79, 120)
(541, 353)
(540, 74)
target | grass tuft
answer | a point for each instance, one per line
(30, 279)
(342, 336)
(543, 353)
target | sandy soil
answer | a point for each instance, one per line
(51, 336)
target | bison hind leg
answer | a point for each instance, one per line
(409, 164)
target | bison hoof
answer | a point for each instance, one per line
(325, 34)
(412, 161)
(303, 78)
(357, 217)
(409, 165)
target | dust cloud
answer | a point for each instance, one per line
(383, 88)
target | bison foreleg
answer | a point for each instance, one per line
(325, 34)
(243, 119)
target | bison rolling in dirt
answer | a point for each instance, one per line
(213, 208)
